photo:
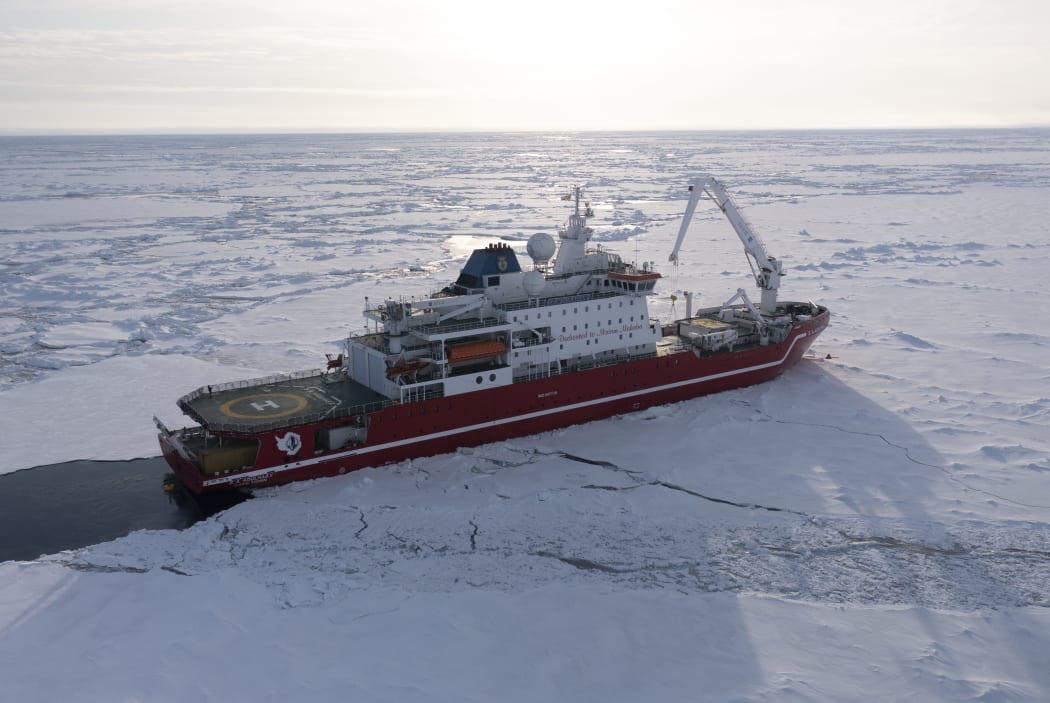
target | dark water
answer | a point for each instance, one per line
(64, 506)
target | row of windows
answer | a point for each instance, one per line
(586, 325)
(633, 287)
(575, 311)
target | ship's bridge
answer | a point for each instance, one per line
(485, 266)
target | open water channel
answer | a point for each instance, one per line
(49, 509)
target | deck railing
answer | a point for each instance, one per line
(234, 385)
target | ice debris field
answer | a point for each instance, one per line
(873, 525)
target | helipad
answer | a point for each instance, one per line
(278, 403)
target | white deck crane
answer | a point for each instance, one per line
(765, 268)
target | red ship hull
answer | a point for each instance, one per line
(444, 424)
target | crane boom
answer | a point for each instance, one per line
(766, 269)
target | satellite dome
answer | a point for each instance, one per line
(534, 282)
(541, 247)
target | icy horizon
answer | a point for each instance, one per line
(294, 131)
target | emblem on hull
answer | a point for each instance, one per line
(290, 443)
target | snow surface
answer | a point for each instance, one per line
(871, 526)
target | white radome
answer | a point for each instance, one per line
(534, 283)
(541, 247)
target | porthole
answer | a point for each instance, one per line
(477, 380)
(492, 377)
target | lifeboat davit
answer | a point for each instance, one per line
(405, 367)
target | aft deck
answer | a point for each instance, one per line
(279, 401)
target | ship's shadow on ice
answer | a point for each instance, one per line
(805, 443)
(820, 474)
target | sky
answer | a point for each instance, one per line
(347, 65)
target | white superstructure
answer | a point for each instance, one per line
(497, 323)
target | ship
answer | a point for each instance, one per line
(501, 352)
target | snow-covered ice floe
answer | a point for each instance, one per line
(873, 525)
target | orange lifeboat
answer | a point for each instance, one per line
(475, 351)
